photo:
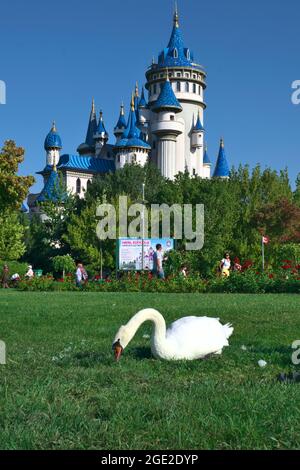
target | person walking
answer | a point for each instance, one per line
(5, 277)
(158, 262)
(225, 265)
(81, 275)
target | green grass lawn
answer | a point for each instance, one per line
(61, 388)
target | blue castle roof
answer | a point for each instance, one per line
(92, 127)
(143, 102)
(49, 191)
(167, 99)
(206, 159)
(101, 127)
(198, 126)
(121, 121)
(82, 163)
(222, 169)
(52, 140)
(132, 135)
(176, 54)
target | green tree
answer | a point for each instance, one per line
(64, 264)
(13, 188)
(12, 245)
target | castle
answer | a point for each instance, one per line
(167, 129)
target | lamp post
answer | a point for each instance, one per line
(143, 222)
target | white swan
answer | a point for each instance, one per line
(187, 338)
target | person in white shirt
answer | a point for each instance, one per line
(30, 273)
(158, 262)
(225, 265)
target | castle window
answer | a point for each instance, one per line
(199, 90)
(154, 89)
(178, 74)
(178, 86)
(88, 184)
(194, 172)
(154, 145)
(172, 117)
(78, 186)
(187, 87)
(161, 75)
(194, 75)
(194, 88)
(119, 159)
(175, 53)
(154, 77)
(134, 158)
(187, 75)
(188, 54)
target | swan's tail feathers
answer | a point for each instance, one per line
(228, 328)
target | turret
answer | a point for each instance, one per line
(222, 169)
(52, 146)
(206, 164)
(131, 148)
(100, 136)
(121, 124)
(167, 129)
(197, 133)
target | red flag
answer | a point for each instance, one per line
(265, 240)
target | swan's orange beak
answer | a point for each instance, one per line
(117, 350)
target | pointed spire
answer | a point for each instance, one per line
(93, 106)
(206, 159)
(176, 16)
(222, 169)
(53, 127)
(101, 128)
(142, 102)
(132, 102)
(136, 89)
(198, 126)
(121, 124)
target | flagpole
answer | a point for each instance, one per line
(263, 253)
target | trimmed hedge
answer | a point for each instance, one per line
(247, 282)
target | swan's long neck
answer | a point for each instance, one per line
(159, 336)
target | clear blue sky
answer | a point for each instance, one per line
(57, 55)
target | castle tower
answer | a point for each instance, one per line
(167, 129)
(100, 136)
(187, 80)
(197, 137)
(206, 164)
(121, 124)
(52, 146)
(222, 169)
(131, 148)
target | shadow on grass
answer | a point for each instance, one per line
(142, 352)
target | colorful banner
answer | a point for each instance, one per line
(130, 252)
